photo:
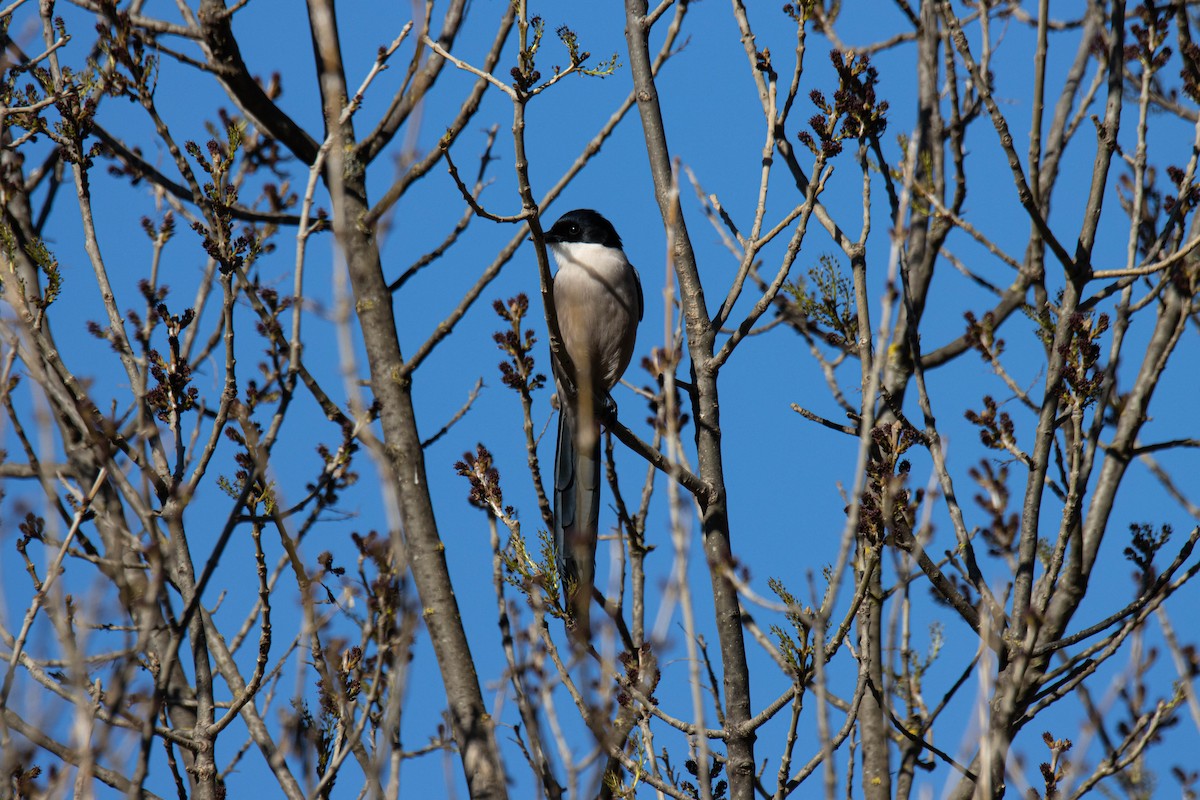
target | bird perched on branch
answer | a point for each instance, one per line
(598, 299)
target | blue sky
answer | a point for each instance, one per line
(785, 474)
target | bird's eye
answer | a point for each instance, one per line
(573, 229)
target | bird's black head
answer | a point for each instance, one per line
(583, 225)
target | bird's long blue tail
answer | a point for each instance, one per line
(576, 514)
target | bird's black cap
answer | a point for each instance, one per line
(584, 225)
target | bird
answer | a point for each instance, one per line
(598, 302)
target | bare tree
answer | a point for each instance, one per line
(227, 577)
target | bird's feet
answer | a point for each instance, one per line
(606, 409)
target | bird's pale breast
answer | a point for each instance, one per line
(596, 298)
